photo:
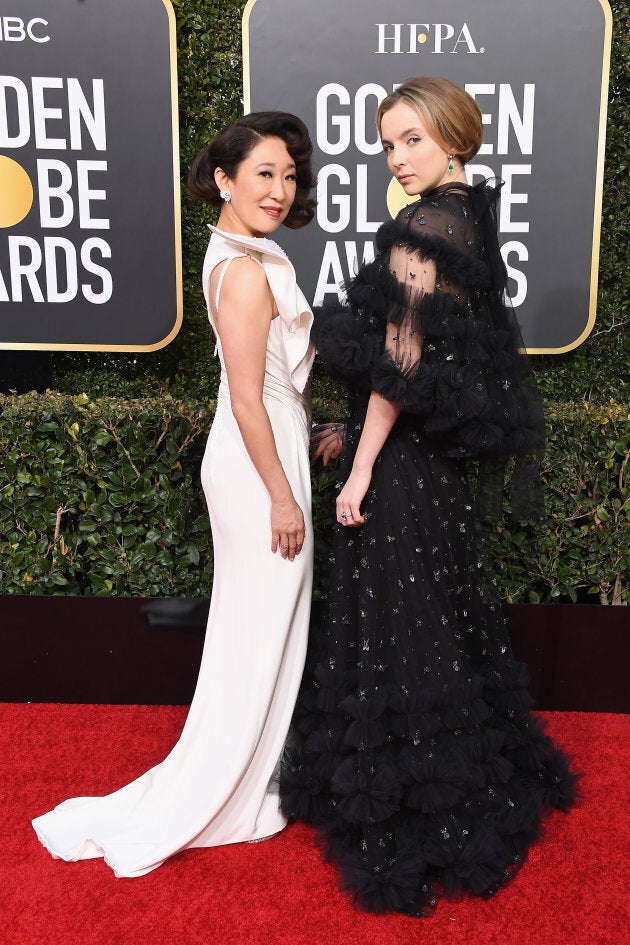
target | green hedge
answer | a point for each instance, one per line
(582, 549)
(103, 497)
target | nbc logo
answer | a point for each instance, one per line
(13, 29)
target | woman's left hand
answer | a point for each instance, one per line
(327, 441)
(351, 496)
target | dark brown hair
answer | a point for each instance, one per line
(451, 116)
(234, 143)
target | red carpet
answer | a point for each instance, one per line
(574, 889)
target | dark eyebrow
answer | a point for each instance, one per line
(271, 164)
(407, 131)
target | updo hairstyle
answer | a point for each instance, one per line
(233, 144)
(451, 116)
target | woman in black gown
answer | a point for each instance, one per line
(417, 756)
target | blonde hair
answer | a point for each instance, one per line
(451, 116)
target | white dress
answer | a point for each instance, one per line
(217, 785)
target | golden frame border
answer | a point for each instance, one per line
(599, 170)
(179, 296)
(599, 190)
(247, 100)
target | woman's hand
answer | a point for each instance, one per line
(327, 440)
(351, 496)
(287, 528)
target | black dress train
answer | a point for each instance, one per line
(418, 759)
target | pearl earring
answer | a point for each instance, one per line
(226, 195)
(451, 166)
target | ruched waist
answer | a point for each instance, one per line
(285, 393)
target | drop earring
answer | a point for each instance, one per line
(226, 195)
(451, 166)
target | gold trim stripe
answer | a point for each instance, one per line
(247, 99)
(599, 188)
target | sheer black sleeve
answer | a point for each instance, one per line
(426, 325)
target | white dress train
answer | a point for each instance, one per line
(217, 785)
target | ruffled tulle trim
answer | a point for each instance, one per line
(472, 389)
(437, 789)
(472, 392)
(465, 270)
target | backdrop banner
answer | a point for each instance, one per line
(89, 175)
(539, 72)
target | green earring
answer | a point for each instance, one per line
(451, 166)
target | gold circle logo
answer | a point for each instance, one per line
(397, 198)
(16, 192)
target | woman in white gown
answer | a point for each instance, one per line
(217, 785)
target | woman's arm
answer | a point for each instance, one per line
(243, 326)
(404, 347)
(379, 420)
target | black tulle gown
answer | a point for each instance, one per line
(417, 756)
